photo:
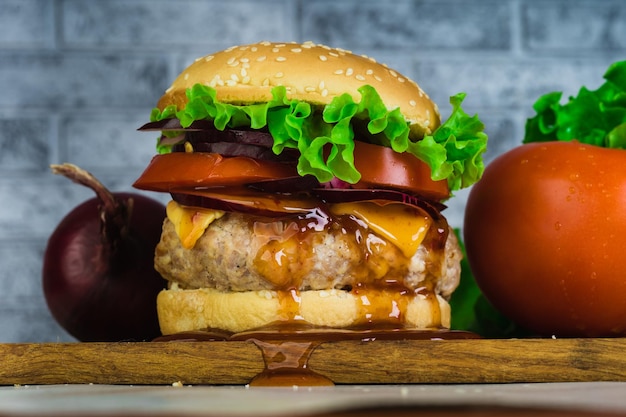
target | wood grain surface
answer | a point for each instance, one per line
(344, 362)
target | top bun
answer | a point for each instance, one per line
(312, 73)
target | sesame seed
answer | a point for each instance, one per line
(244, 59)
(321, 85)
(310, 89)
(279, 74)
(369, 72)
(377, 78)
(307, 45)
(296, 50)
(265, 43)
(231, 83)
(243, 72)
(254, 49)
(323, 58)
(393, 73)
(232, 61)
(349, 72)
(400, 79)
(186, 76)
(261, 58)
(234, 77)
(170, 88)
(275, 49)
(339, 71)
(214, 81)
(324, 92)
(279, 45)
(266, 82)
(413, 103)
(334, 54)
(208, 58)
(281, 59)
(245, 80)
(360, 77)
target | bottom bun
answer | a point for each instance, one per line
(197, 309)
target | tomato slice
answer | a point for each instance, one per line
(182, 170)
(380, 168)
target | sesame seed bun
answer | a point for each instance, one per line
(312, 73)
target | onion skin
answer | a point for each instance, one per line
(98, 276)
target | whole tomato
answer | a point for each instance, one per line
(545, 234)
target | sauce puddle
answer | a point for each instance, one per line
(286, 349)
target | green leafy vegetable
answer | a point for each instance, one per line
(473, 313)
(594, 117)
(453, 151)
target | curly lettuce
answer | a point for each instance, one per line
(595, 117)
(325, 136)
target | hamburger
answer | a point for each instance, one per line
(307, 187)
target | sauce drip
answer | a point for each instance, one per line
(287, 347)
(286, 365)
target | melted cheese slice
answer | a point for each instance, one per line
(402, 225)
(190, 222)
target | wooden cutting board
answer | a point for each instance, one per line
(343, 362)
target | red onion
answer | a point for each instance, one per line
(98, 275)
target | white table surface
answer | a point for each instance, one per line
(28, 400)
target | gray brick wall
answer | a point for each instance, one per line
(77, 77)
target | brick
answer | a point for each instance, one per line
(24, 144)
(107, 143)
(409, 23)
(35, 205)
(20, 275)
(54, 80)
(496, 83)
(148, 23)
(574, 26)
(26, 23)
(31, 324)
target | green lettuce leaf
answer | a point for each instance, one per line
(596, 117)
(453, 151)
